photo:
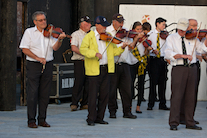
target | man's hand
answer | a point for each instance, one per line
(99, 55)
(62, 36)
(189, 57)
(124, 45)
(199, 58)
(41, 60)
(155, 52)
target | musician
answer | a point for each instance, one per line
(39, 51)
(192, 25)
(140, 53)
(157, 66)
(121, 79)
(99, 64)
(80, 86)
(181, 53)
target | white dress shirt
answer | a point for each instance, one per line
(126, 56)
(174, 46)
(76, 40)
(101, 49)
(153, 37)
(35, 41)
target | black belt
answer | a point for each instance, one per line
(120, 63)
(105, 65)
(153, 57)
(191, 65)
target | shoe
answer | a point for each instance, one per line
(32, 125)
(130, 115)
(173, 127)
(143, 100)
(44, 124)
(73, 107)
(90, 123)
(149, 108)
(112, 115)
(139, 112)
(194, 127)
(101, 122)
(164, 108)
(196, 122)
(84, 107)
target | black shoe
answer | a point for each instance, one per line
(149, 108)
(139, 112)
(194, 127)
(90, 123)
(173, 127)
(164, 108)
(196, 122)
(112, 115)
(130, 115)
(101, 122)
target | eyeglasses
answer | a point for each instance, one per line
(41, 20)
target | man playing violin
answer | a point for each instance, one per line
(181, 53)
(39, 51)
(80, 86)
(157, 66)
(192, 26)
(121, 79)
(99, 64)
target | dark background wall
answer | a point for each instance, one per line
(59, 13)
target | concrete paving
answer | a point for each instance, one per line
(67, 124)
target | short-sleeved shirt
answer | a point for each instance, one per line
(76, 40)
(35, 41)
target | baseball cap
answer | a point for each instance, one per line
(182, 24)
(101, 20)
(85, 18)
(118, 17)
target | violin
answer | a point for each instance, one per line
(146, 43)
(190, 34)
(202, 34)
(164, 34)
(108, 37)
(56, 31)
(124, 33)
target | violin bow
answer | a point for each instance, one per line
(110, 41)
(195, 42)
(124, 41)
(43, 67)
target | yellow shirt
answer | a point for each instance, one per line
(89, 48)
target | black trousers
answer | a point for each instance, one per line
(121, 79)
(182, 110)
(141, 82)
(158, 76)
(183, 85)
(80, 88)
(134, 72)
(38, 90)
(98, 95)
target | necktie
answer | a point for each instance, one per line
(185, 61)
(158, 44)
